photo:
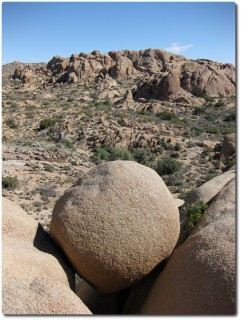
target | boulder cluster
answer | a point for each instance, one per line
(118, 228)
(164, 76)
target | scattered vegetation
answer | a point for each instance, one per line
(46, 123)
(67, 143)
(10, 183)
(11, 123)
(49, 168)
(168, 166)
(194, 213)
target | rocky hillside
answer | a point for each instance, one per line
(165, 76)
(146, 135)
(9, 68)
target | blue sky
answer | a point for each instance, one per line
(35, 32)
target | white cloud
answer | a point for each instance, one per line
(177, 48)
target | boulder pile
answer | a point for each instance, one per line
(164, 76)
(118, 229)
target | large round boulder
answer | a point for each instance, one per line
(116, 224)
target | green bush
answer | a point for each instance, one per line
(194, 213)
(143, 157)
(219, 104)
(207, 97)
(166, 115)
(173, 179)
(49, 168)
(231, 117)
(10, 183)
(168, 166)
(120, 154)
(46, 123)
(199, 110)
(11, 123)
(100, 155)
(47, 191)
(67, 143)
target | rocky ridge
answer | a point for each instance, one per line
(165, 76)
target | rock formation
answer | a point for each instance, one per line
(164, 75)
(199, 278)
(228, 145)
(37, 278)
(116, 224)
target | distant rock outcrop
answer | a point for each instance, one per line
(116, 224)
(228, 145)
(37, 278)
(199, 278)
(165, 76)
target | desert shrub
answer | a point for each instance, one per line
(67, 143)
(177, 147)
(175, 154)
(47, 191)
(228, 162)
(206, 97)
(199, 110)
(10, 183)
(231, 116)
(194, 213)
(74, 163)
(11, 123)
(100, 155)
(46, 123)
(219, 104)
(174, 179)
(166, 115)
(49, 168)
(164, 144)
(120, 154)
(168, 166)
(210, 176)
(212, 129)
(159, 149)
(206, 151)
(143, 157)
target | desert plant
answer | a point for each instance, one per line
(48, 168)
(166, 115)
(194, 213)
(46, 123)
(47, 191)
(11, 123)
(67, 143)
(120, 154)
(231, 116)
(168, 166)
(143, 157)
(10, 183)
(199, 110)
(219, 104)
(100, 155)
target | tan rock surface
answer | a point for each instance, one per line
(40, 296)
(199, 278)
(228, 145)
(116, 224)
(36, 275)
